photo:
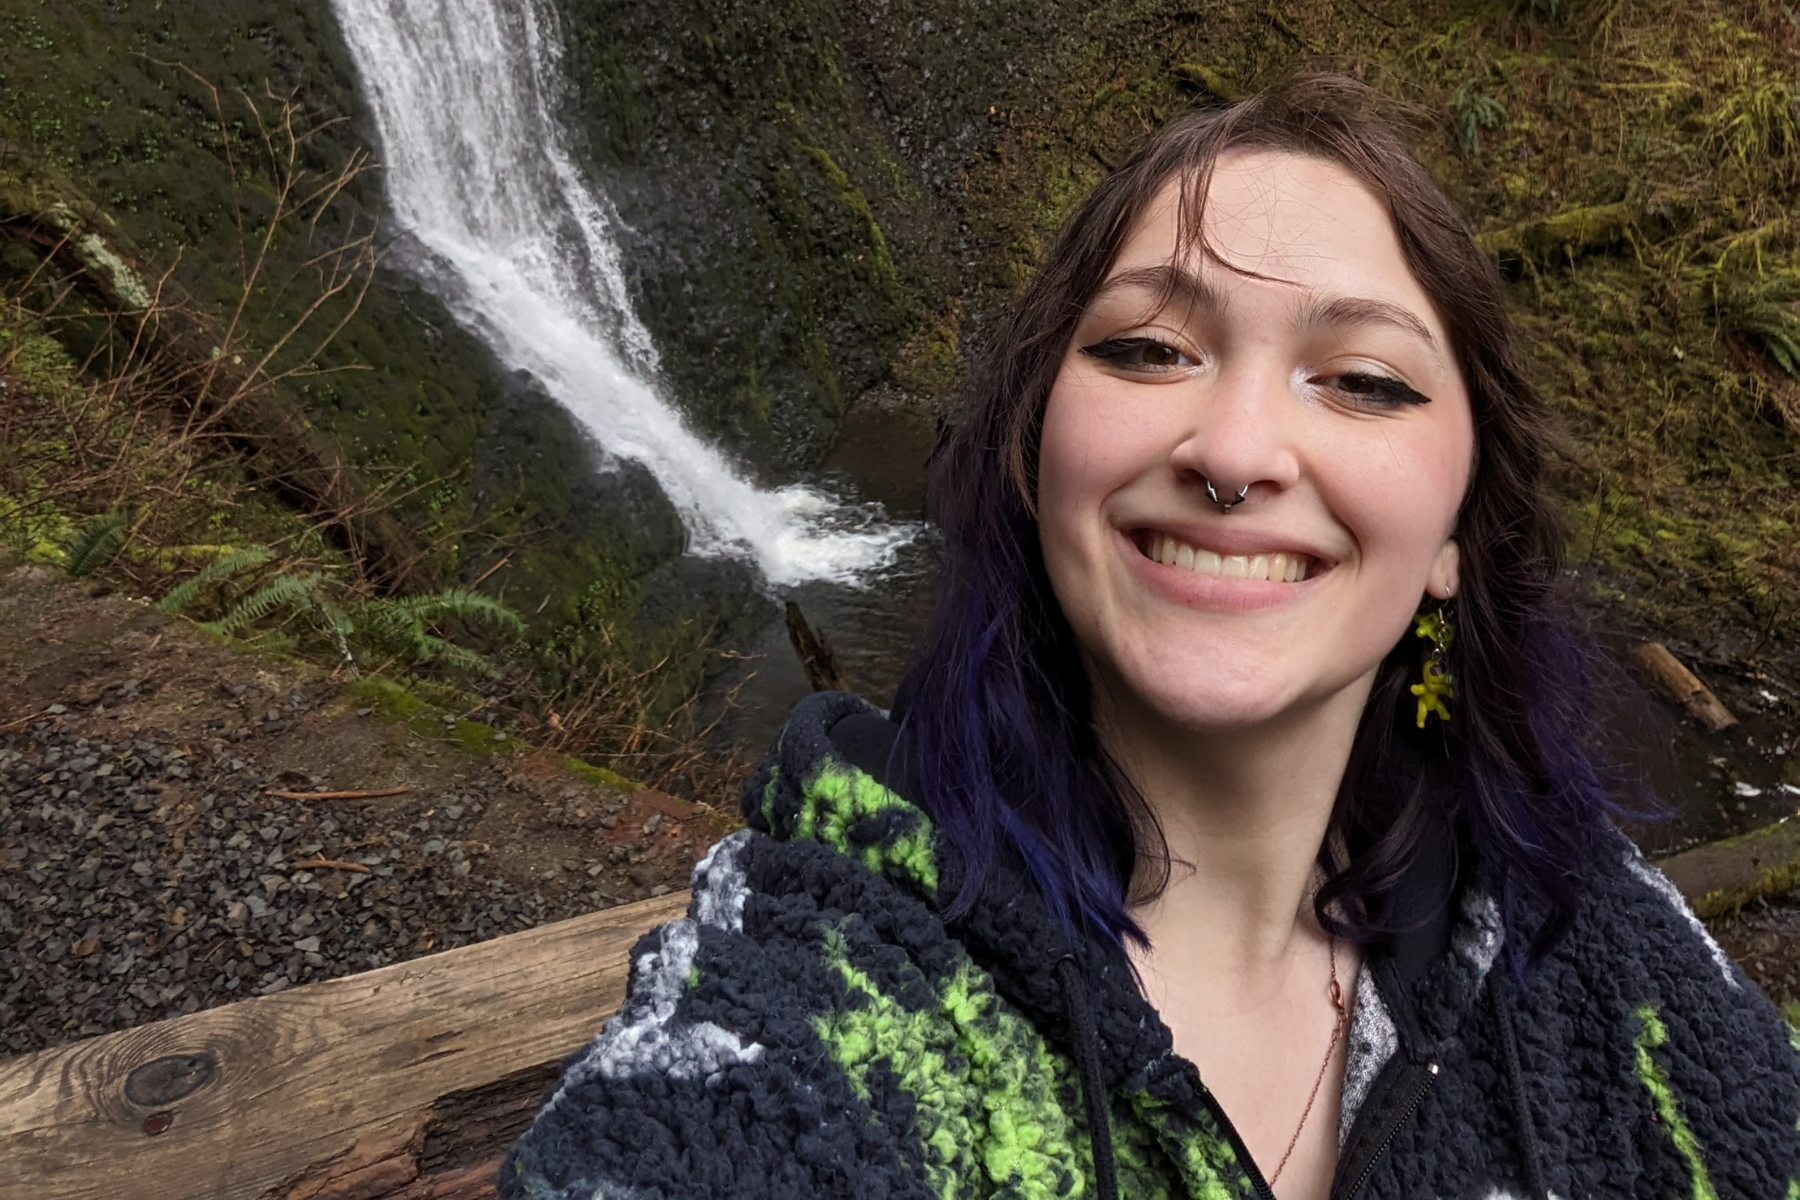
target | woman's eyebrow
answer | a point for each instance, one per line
(1169, 283)
(1350, 311)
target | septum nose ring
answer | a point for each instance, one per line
(1226, 505)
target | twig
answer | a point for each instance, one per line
(485, 575)
(329, 864)
(370, 794)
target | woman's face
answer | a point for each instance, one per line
(1328, 389)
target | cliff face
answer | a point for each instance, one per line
(163, 124)
(795, 175)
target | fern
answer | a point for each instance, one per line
(1763, 312)
(405, 626)
(232, 563)
(95, 543)
(280, 592)
(464, 605)
(1474, 113)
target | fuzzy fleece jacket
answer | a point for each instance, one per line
(815, 1029)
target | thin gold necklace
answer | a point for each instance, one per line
(1337, 1032)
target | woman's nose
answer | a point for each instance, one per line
(1239, 431)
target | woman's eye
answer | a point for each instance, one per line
(1366, 388)
(1138, 354)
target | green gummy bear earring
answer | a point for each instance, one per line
(1435, 684)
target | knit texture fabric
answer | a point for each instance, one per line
(813, 1028)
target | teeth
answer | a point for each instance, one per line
(1281, 568)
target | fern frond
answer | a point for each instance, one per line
(465, 605)
(461, 658)
(232, 563)
(281, 591)
(95, 543)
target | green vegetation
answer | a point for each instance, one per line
(822, 197)
(200, 159)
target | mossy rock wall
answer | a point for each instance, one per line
(793, 176)
(113, 100)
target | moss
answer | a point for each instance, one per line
(1562, 235)
(930, 363)
(112, 109)
(1210, 81)
(600, 776)
(393, 702)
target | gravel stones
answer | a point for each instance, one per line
(141, 879)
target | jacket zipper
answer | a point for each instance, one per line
(1421, 1087)
(1263, 1190)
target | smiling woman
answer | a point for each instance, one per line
(1180, 868)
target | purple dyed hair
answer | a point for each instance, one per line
(1008, 763)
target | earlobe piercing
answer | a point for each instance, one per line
(1226, 505)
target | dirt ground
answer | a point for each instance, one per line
(210, 883)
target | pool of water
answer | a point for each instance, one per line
(873, 627)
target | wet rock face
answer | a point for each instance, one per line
(791, 174)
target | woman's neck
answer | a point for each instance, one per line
(1243, 813)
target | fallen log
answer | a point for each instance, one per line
(1565, 234)
(1681, 685)
(409, 1082)
(404, 1083)
(816, 656)
(1721, 877)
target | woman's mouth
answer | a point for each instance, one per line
(1274, 566)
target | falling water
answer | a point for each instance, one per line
(477, 170)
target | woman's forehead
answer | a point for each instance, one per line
(1307, 224)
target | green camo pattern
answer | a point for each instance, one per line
(993, 1101)
(1651, 1034)
(836, 799)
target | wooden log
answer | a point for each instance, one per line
(816, 656)
(404, 1083)
(1682, 686)
(1564, 234)
(1722, 877)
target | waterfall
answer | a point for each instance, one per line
(523, 251)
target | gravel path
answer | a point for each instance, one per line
(118, 906)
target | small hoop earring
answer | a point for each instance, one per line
(1226, 505)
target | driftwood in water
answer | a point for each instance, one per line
(1682, 686)
(816, 656)
(405, 1083)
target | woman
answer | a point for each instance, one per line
(1232, 836)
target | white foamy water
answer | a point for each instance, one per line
(463, 93)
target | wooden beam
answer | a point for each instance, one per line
(406, 1082)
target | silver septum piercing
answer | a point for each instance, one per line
(1226, 505)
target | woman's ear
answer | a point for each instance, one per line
(1445, 576)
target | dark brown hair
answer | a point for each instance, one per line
(1008, 760)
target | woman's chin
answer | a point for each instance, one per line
(1212, 709)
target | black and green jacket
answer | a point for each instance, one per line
(815, 1029)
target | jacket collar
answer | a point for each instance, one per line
(839, 776)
